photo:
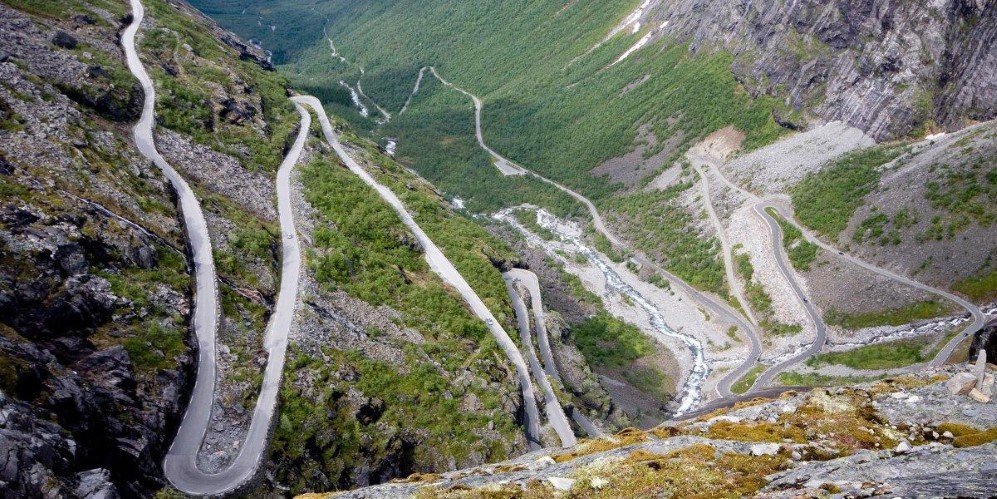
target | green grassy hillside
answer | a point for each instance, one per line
(549, 103)
(557, 117)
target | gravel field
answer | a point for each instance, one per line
(776, 167)
(752, 233)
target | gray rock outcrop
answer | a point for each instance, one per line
(885, 67)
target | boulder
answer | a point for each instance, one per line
(979, 396)
(64, 40)
(111, 368)
(5, 167)
(542, 463)
(961, 383)
(237, 112)
(768, 449)
(980, 369)
(71, 259)
(96, 484)
(560, 483)
(85, 19)
(987, 387)
(144, 256)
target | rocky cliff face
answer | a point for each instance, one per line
(93, 369)
(887, 67)
(95, 354)
(95, 362)
(985, 340)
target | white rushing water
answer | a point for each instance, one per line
(355, 97)
(912, 331)
(691, 394)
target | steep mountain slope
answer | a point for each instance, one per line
(96, 289)
(389, 373)
(605, 96)
(97, 363)
(560, 119)
(398, 367)
(887, 68)
(931, 212)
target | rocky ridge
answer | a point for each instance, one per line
(897, 437)
(889, 68)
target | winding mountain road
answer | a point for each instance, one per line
(978, 318)
(561, 426)
(725, 384)
(716, 306)
(723, 310)
(180, 463)
(442, 266)
(523, 322)
(505, 166)
(529, 279)
(820, 329)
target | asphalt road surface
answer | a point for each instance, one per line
(715, 306)
(561, 426)
(442, 266)
(725, 384)
(180, 463)
(529, 279)
(820, 329)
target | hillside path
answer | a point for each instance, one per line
(180, 463)
(442, 266)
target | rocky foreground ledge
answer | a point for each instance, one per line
(911, 436)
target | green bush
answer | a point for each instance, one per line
(814, 379)
(647, 380)
(658, 224)
(825, 200)
(748, 380)
(606, 341)
(801, 252)
(876, 356)
(890, 317)
(980, 287)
